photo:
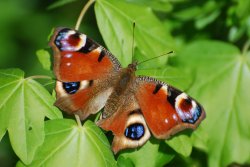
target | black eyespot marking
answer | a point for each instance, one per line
(134, 131)
(60, 36)
(101, 56)
(89, 46)
(71, 87)
(172, 94)
(157, 88)
(91, 83)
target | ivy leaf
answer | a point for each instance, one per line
(24, 104)
(222, 78)
(68, 144)
(44, 58)
(115, 21)
(182, 144)
(153, 153)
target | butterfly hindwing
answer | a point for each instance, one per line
(77, 57)
(166, 109)
(82, 98)
(128, 126)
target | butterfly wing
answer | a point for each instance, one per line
(84, 70)
(77, 57)
(127, 124)
(149, 105)
(166, 109)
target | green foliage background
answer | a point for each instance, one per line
(211, 62)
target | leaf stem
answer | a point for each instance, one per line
(39, 77)
(84, 10)
(246, 47)
(78, 120)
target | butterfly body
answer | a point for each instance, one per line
(90, 78)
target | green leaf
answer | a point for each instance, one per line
(222, 78)
(115, 21)
(157, 5)
(60, 3)
(24, 104)
(68, 144)
(188, 13)
(171, 75)
(151, 154)
(124, 162)
(242, 9)
(44, 58)
(181, 144)
(205, 20)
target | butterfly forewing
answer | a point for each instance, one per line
(84, 70)
(78, 58)
(166, 109)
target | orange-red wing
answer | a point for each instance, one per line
(76, 57)
(128, 126)
(166, 109)
(81, 98)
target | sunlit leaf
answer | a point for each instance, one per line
(115, 20)
(153, 153)
(44, 58)
(68, 144)
(222, 78)
(23, 107)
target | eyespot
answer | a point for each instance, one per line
(70, 40)
(71, 87)
(188, 110)
(134, 131)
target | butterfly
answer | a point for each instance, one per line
(90, 78)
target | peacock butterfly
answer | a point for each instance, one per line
(89, 78)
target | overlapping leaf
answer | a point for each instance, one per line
(222, 78)
(23, 107)
(115, 21)
(68, 144)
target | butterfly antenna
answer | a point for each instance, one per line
(133, 41)
(155, 57)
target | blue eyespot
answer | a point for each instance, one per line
(134, 131)
(71, 87)
(195, 116)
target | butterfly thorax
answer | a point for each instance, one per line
(126, 78)
(124, 88)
